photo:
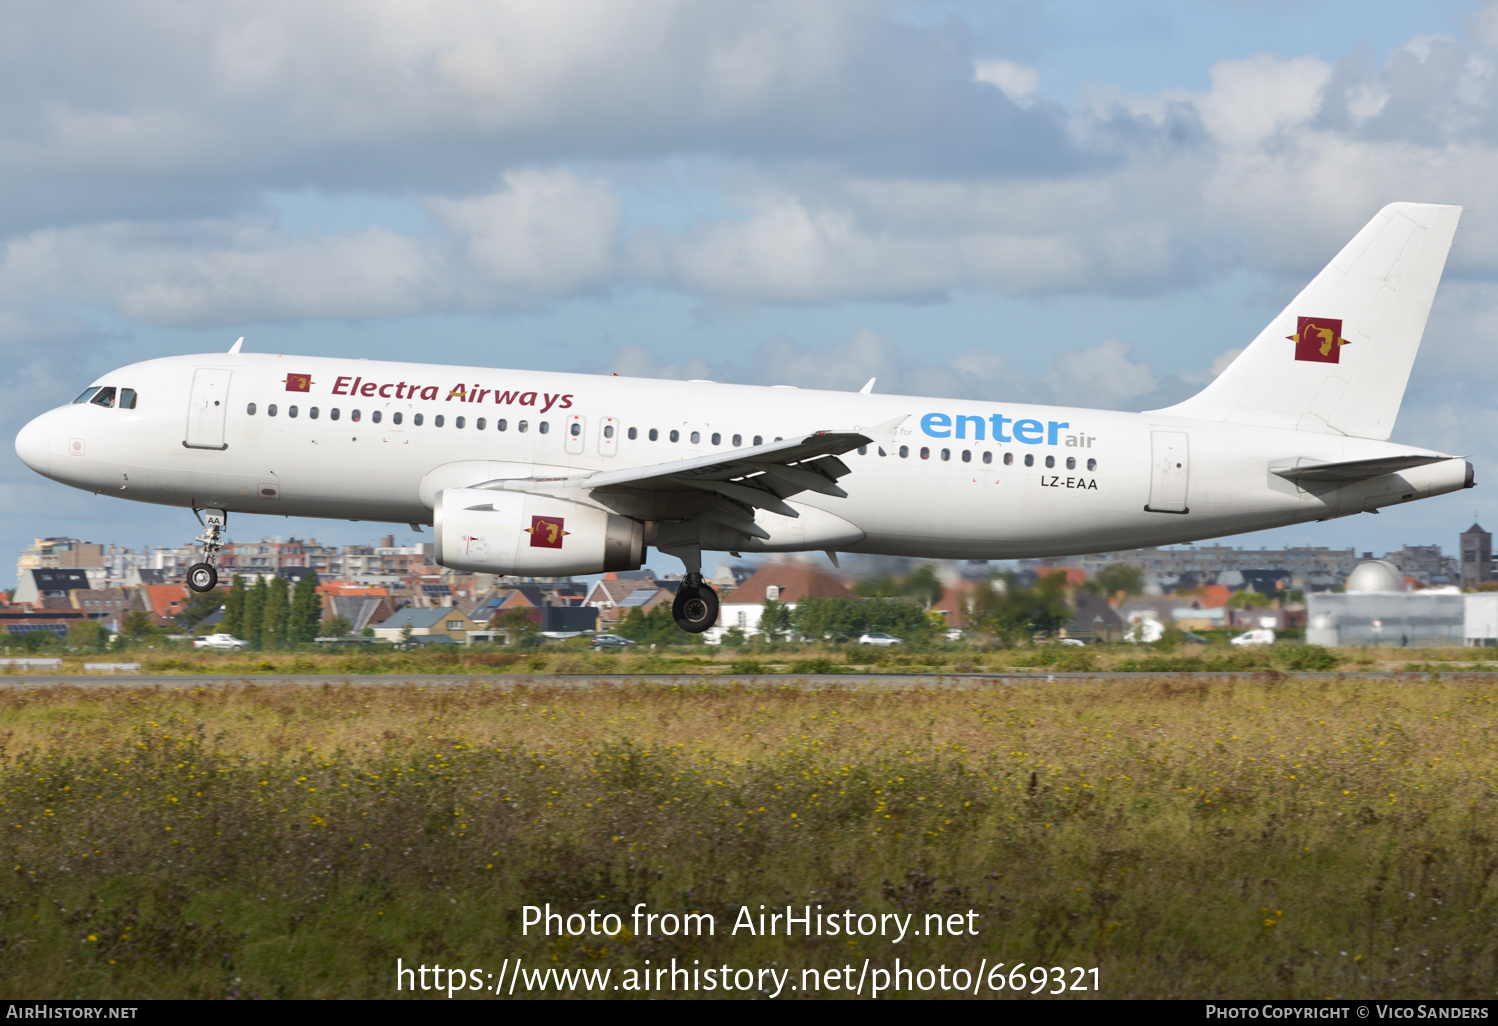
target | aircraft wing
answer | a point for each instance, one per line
(1357, 470)
(762, 475)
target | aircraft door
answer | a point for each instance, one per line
(1170, 468)
(608, 436)
(207, 408)
(575, 426)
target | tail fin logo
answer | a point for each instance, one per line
(1318, 340)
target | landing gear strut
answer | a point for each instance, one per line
(696, 604)
(204, 576)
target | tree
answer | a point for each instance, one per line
(306, 611)
(254, 607)
(774, 620)
(337, 627)
(1014, 612)
(657, 627)
(198, 608)
(1248, 599)
(518, 625)
(923, 585)
(138, 626)
(274, 617)
(87, 636)
(233, 621)
(1121, 577)
(844, 619)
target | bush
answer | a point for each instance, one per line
(750, 666)
(813, 666)
(1307, 657)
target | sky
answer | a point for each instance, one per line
(1080, 203)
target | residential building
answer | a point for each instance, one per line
(37, 584)
(450, 623)
(785, 582)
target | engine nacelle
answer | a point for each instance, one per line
(497, 532)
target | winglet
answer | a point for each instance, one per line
(235, 347)
(869, 388)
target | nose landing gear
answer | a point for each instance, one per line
(204, 576)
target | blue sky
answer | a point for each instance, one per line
(1092, 204)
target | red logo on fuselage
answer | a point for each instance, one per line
(299, 382)
(1318, 339)
(546, 532)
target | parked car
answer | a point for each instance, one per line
(1074, 642)
(604, 641)
(1261, 636)
(220, 643)
(880, 638)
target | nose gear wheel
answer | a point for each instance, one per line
(203, 576)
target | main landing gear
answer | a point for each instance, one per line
(204, 576)
(696, 604)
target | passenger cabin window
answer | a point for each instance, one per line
(375, 416)
(738, 440)
(333, 414)
(291, 411)
(312, 412)
(396, 417)
(988, 457)
(759, 439)
(250, 409)
(523, 426)
(353, 415)
(696, 437)
(478, 425)
(417, 419)
(675, 435)
(544, 426)
(1008, 459)
(1029, 459)
(634, 433)
(501, 425)
(438, 420)
(270, 411)
(1071, 463)
(1092, 464)
(717, 438)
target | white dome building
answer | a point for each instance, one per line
(1375, 575)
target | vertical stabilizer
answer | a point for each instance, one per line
(1337, 359)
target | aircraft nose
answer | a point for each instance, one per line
(32, 444)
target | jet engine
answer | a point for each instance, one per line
(496, 532)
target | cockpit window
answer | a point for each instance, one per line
(127, 398)
(88, 393)
(104, 397)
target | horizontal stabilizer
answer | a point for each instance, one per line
(1356, 470)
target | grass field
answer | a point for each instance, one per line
(1244, 837)
(574, 657)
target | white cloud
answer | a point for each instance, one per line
(1015, 81)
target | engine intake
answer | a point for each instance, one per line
(494, 532)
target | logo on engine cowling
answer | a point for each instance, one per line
(546, 532)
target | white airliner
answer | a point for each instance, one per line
(538, 473)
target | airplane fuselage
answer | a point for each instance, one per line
(371, 440)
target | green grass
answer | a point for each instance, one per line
(1234, 838)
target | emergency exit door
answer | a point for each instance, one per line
(207, 408)
(1170, 468)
